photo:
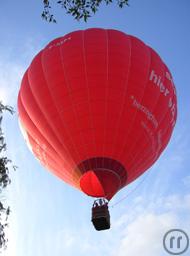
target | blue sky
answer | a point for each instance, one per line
(49, 217)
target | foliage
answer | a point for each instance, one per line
(4, 181)
(79, 9)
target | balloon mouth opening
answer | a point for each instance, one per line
(101, 177)
(100, 183)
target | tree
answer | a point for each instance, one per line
(4, 181)
(79, 9)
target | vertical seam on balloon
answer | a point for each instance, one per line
(53, 100)
(45, 139)
(88, 92)
(106, 105)
(163, 117)
(124, 97)
(141, 104)
(86, 146)
(106, 93)
(139, 137)
(134, 116)
(73, 108)
(60, 117)
(165, 131)
(44, 115)
(32, 122)
(157, 154)
(29, 85)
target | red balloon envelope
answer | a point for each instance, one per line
(97, 107)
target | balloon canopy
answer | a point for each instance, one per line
(97, 108)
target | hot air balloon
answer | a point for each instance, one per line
(97, 107)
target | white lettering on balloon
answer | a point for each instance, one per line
(146, 111)
(59, 43)
(156, 79)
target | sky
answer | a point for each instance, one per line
(48, 216)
